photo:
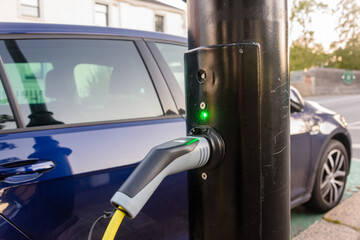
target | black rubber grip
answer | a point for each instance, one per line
(154, 162)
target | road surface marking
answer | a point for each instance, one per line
(356, 145)
(354, 123)
(326, 100)
(355, 159)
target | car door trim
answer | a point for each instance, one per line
(85, 124)
(14, 106)
(171, 82)
(15, 227)
(166, 100)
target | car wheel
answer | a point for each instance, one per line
(330, 178)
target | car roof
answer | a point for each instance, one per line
(42, 28)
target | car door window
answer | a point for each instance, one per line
(7, 120)
(76, 80)
(174, 56)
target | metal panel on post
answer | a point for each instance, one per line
(237, 83)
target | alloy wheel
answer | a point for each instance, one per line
(333, 177)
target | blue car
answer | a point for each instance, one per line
(81, 106)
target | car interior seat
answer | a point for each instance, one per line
(61, 89)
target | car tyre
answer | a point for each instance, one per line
(330, 178)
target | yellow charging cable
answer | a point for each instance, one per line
(114, 225)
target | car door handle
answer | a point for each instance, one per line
(25, 167)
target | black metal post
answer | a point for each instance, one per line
(238, 84)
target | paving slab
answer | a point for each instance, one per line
(324, 230)
(346, 213)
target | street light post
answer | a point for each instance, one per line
(238, 84)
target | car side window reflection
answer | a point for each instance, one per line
(296, 97)
(7, 120)
(293, 109)
(174, 56)
(79, 80)
(296, 101)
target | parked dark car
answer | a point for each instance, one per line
(81, 106)
(320, 154)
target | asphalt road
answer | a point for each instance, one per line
(349, 107)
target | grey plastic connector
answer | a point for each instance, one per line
(138, 188)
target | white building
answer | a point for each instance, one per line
(148, 15)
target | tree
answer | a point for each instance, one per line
(304, 57)
(304, 52)
(346, 51)
(301, 15)
(348, 24)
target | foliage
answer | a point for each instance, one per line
(5, 118)
(346, 51)
(304, 52)
(301, 15)
(348, 23)
(304, 57)
(93, 82)
(346, 57)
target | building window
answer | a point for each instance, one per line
(30, 8)
(159, 23)
(101, 15)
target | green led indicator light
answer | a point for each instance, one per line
(192, 141)
(204, 115)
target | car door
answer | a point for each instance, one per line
(300, 147)
(88, 110)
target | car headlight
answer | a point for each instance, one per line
(340, 119)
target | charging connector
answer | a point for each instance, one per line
(178, 155)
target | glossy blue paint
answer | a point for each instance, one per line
(92, 160)
(308, 146)
(72, 204)
(35, 28)
(15, 168)
(91, 163)
(9, 231)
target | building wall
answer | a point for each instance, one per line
(67, 12)
(175, 24)
(9, 11)
(132, 14)
(324, 81)
(137, 17)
